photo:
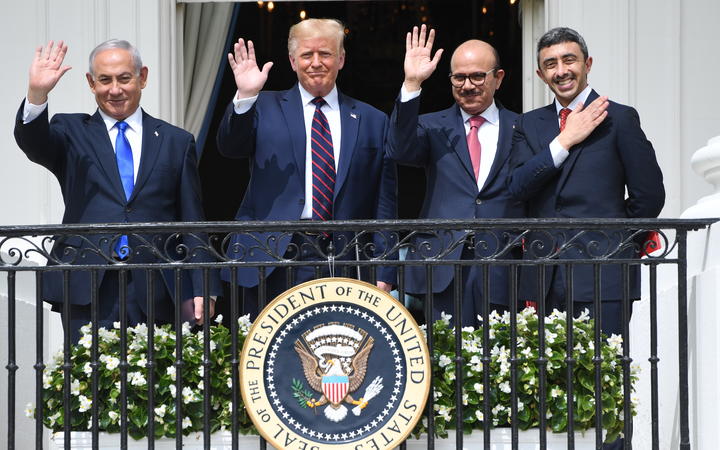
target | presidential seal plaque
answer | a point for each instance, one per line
(335, 363)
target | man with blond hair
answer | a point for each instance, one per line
(316, 154)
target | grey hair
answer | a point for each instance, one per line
(121, 44)
(309, 28)
(558, 36)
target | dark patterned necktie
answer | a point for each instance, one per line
(323, 164)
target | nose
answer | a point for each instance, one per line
(115, 88)
(562, 69)
(316, 59)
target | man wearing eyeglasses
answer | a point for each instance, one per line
(464, 150)
(582, 156)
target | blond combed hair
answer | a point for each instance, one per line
(314, 28)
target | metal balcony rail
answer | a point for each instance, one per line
(354, 249)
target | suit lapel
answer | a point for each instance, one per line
(502, 152)
(151, 143)
(349, 124)
(103, 151)
(574, 152)
(292, 109)
(454, 128)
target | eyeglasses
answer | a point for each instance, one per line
(476, 79)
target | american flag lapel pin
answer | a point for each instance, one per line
(156, 134)
(353, 115)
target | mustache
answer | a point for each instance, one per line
(470, 93)
(563, 78)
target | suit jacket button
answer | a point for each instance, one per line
(478, 201)
(128, 209)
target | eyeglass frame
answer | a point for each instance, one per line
(467, 77)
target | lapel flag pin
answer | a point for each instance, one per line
(353, 115)
(156, 134)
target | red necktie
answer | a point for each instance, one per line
(473, 143)
(323, 164)
(563, 117)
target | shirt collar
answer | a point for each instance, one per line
(134, 120)
(331, 99)
(491, 114)
(581, 97)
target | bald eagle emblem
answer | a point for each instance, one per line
(334, 358)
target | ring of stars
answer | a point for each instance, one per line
(373, 423)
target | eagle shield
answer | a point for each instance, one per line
(335, 387)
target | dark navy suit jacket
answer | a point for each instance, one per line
(438, 143)
(590, 183)
(272, 135)
(76, 148)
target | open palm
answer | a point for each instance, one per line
(249, 79)
(46, 70)
(419, 62)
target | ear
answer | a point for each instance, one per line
(143, 77)
(90, 81)
(292, 62)
(588, 64)
(341, 60)
(499, 74)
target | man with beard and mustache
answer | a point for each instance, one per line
(464, 150)
(316, 154)
(575, 158)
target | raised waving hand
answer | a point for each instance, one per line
(249, 79)
(46, 70)
(419, 62)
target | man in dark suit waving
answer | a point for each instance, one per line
(465, 151)
(117, 165)
(576, 158)
(316, 154)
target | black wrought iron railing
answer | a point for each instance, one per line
(164, 252)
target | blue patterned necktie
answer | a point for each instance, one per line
(124, 156)
(323, 164)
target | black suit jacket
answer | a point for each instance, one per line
(590, 183)
(76, 148)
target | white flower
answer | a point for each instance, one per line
(201, 370)
(137, 379)
(173, 390)
(188, 395)
(229, 383)
(218, 319)
(87, 368)
(213, 346)
(450, 376)
(185, 328)
(86, 340)
(171, 371)
(444, 361)
(584, 316)
(113, 416)
(85, 403)
(111, 362)
(108, 336)
(161, 410)
(116, 325)
(187, 422)
(465, 398)
(443, 411)
(615, 342)
(445, 318)
(75, 387)
(46, 379)
(556, 392)
(478, 388)
(244, 323)
(201, 385)
(142, 362)
(30, 410)
(527, 352)
(505, 387)
(479, 414)
(476, 363)
(54, 418)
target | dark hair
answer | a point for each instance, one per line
(121, 44)
(558, 36)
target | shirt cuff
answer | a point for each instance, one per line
(559, 154)
(243, 105)
(406, 96)
(32, 112)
